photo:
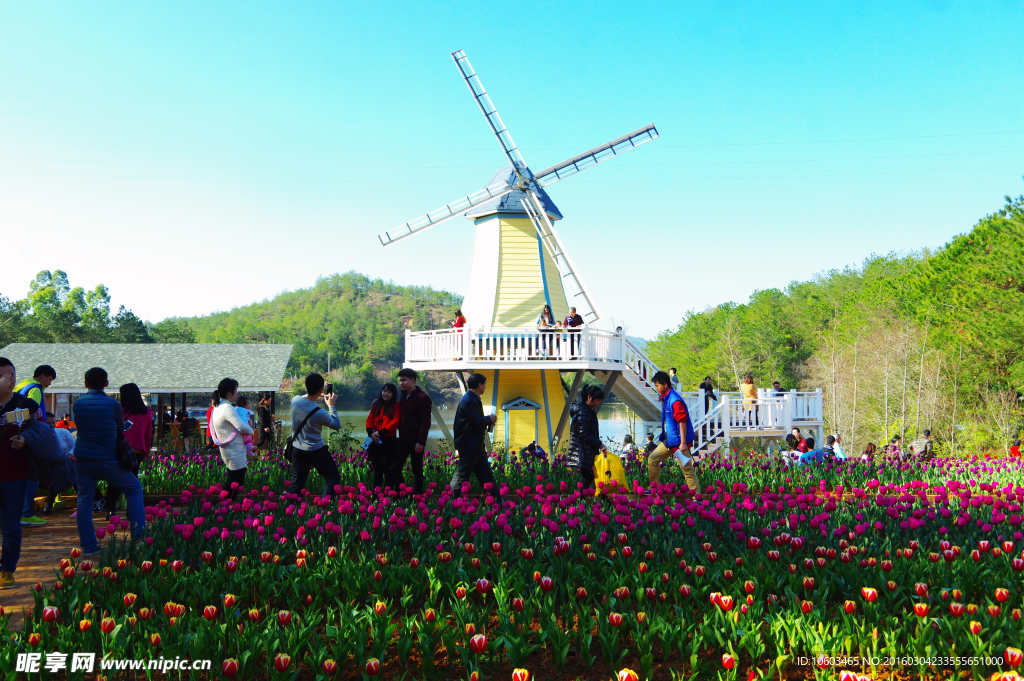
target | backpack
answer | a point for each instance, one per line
(289, 448)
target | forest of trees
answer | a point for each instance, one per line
(359, 321)
(932, 340)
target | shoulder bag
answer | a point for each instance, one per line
(126, 458)
(289, 448)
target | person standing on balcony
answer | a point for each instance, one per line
(470, 428)
(676, 435)
(674, 378)
(709, 393)
(459, 320)
(777, 390)
(545, 323)
(413, 428)
(749, 391)
(573, 322)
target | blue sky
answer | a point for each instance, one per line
(199, 156)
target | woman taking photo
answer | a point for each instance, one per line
(139, 435)
(265, 420)
(584, 436)
(382, 428)
(226, 426)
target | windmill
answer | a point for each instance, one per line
(519, 265)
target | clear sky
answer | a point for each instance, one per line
(198, 156)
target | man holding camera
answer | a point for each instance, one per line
(309, 449)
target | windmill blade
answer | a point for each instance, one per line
(444, 213)
(581, 299)
(484, 101)
(596, 155)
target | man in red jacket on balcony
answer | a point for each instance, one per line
(413, 428)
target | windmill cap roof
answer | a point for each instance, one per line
(513, 201)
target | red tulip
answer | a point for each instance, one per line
(948, 556)
(773, 555)
(372, 666)
(699, 571)
(809, 583)
(665, 579)
(254, 615)
(984, 546)
(1002, 595)
(377, 576)
(49, 614)
(518, 604)
(581, 593)
(921, 609)
(1008, 546)
(177, 566)
(129, 599)
(527, 554)
(726, 603)
(146, 566)
(231, 565)
(154, 639)
(849, 607)
(713, 557)
(469, 548)
(972, 609)
(643, 568)
(413, 563)
(430, 615)
(975, 628)
(627, 551)
(614, 619)
(870, 595)
(84, 625)
(34, 639)
(886, 566)
(993, 611)
(1017, 564)
(753, 543)
(728, 661)
(86, 565)
(1013, 657)
(520, 675)
(956, 609)
(677, 552)
(975, 555)
(69, 573)
(380, 608)
(75, 553)
(806, 607)
(230, 600)
(329, 667)
(1015, 614)
(650, 593)
(546, 584)
(210, 612)
(281, 662)
(957, 594)
(229, 667)
(685, 590)
(381, 559)
(749, 586)
(921, 589)
(727, 574)
(474, 563)
(792, 569)
(890, 585)
(627, 675)
(470, 629)
(478, 644)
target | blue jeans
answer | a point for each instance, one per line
(89, 472)
(12, 500)
(30, 498)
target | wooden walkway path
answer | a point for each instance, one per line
(42, 548)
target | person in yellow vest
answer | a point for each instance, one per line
(33, 388)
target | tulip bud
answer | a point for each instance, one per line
(520, 675)
(84, 625)
(728, 661)
(154, 639)
(921, 609)
(478, 644)
(229, 667)
(547, 584)
(806, 607)
(518, 604)
(282, 662)
(976, 628)
(1002, 595)
(849, 607)
(210, 612)
(329, 667)
(614, 619)
(49, 614)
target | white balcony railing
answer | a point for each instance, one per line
(529, 344)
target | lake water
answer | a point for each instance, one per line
(611, 422)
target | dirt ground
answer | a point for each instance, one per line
(42, 547)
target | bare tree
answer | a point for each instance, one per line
(1003, 411)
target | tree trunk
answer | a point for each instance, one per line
(906, 363)
(853, 423)
(920, 379)
(956, 395)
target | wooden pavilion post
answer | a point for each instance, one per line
(160, 416)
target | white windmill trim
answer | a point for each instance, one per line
(482, 292)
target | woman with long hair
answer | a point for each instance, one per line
(749, 391)
(266, 423)
(382, 428)
(226, 429)
(139, 435)
(868, 455)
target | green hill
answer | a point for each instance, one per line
(903, 343)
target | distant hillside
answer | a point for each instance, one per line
(359, 321)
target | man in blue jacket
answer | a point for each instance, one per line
(676, 435)
(470, 428)
(100, 422)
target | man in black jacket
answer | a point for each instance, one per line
(470, 426)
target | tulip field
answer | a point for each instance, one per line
(890, 571)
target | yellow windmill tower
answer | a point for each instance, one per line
(519, 266)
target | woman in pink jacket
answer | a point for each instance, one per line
(139, 435)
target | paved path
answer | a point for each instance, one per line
(42, 548)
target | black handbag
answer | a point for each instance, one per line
(126, 458)
(289, 449)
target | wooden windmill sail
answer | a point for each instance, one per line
(519, 265)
